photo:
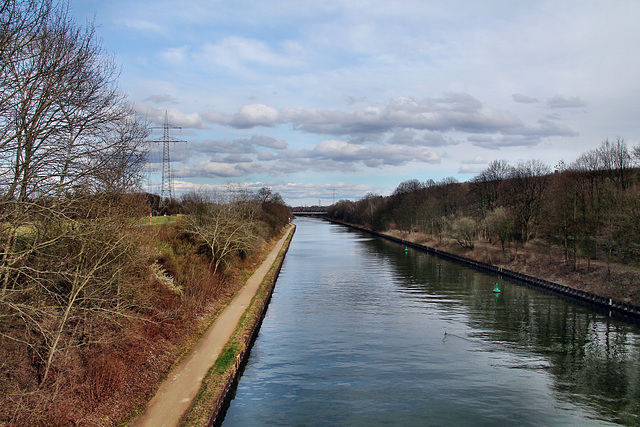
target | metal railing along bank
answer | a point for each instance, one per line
(625, 309)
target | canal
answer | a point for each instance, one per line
(360, 332)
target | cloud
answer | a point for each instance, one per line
(559, 101)
(237, 158)
(239, 146)
(422, 138)
(460, 112)
(373, 156)
(239, 54)
(472, 166)
(495, 143)
(248, 116)
(143, 25)
(255, 115)
(267, 141)
(206, 169)
(293, 192)
(162, 99)
(340, 150)
(265, 156)
(410, 121)
(475, 161)
(354, 99)
(524, 99)
(545, 128)
(240, 157)
(402, 121)
(175, 55)
(469, 169)
(174, 116)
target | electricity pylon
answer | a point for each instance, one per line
(166, 189)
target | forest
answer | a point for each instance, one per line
(96, 300)
(583, 216)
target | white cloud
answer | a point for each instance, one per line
(265, 156)
(469, 169)
(239, 54)
(143, 25)
(475, 161)
(340, 150)
(175, 55)
(255, 115)
(248, 116)
(403, 116)
(174, 115)
(373, 156)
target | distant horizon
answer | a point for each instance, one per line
(309, 98)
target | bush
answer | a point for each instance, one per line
(464, 229)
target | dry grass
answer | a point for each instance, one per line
(618, 281)
(109, 378)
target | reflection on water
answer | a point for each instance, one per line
(360, 332)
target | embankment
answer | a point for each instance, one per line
(624, 310)
(215, 392)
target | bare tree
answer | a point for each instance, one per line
(117, 166)
(499, 223)
(67, 137)
(408, 186)
(616, 160)
(225, 227)
(485, 185)
(523, 193)
(61, 101)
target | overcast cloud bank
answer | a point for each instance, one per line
(308, 95)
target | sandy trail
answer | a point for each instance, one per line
(176, 393)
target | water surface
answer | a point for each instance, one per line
(360, 332)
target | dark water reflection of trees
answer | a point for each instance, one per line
(593, 360)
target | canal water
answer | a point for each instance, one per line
(360, 332)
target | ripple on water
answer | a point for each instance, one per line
(355, 335)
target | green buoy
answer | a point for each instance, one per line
(406, 249)
(497, 289)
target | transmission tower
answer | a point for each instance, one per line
(166, 189)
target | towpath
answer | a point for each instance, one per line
(177, 392)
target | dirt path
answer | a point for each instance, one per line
(175, 394)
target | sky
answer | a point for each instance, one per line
(329, 100)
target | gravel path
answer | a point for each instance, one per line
(175, 394)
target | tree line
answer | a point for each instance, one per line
(590, 208)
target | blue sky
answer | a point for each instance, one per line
(340, 98)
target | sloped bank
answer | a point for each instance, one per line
(620, 309)
(217, 387)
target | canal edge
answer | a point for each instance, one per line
(217, 387)
(625, 310)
